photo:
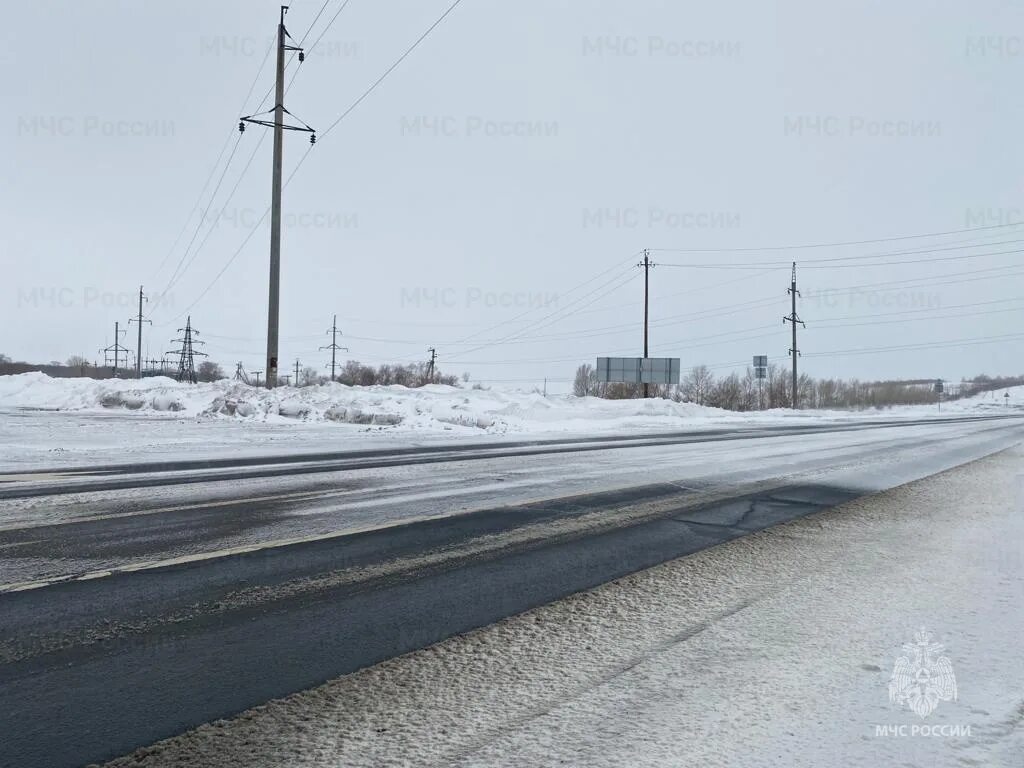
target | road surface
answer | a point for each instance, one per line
(140, 600)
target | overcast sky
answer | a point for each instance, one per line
(522, 150)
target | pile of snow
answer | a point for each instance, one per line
(430, 408)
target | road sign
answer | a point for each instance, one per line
(638, 370)
(761, 366)
(940, 387)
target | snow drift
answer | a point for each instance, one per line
(433, 407)
(429, 407)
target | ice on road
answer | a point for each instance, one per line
(774, 649)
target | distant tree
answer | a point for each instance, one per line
(697, 385)
(778, 388)
(4, 359)
(209, 371)
(309, 376)
(727, 393)
(76, 361)
(585, 384)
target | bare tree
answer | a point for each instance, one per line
(585, 383)
(697, 385)
(728, 393)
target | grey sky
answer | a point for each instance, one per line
(523, 149)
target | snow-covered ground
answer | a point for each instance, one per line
(53, 421)
(776, 649)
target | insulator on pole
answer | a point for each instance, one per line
(241, 126)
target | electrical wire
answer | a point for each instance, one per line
(302, 159)
(805, 246)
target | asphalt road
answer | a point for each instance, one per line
(140, 600)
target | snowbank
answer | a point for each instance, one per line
(428, 408)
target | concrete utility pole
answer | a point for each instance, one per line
(646, 264)
(430, 365)
(333, 346)
(297, 371)
(795, 351)
(257, 374)
(273, 311)
(139, 321)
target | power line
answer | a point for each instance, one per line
(213, 224)
(917, 282)
(616, 265)
(216, 163)
(302, 159)
(926, 345)
(938, 317)
(203, 219)
(619, 283)
(329, 24)
(175, 276)
(921, 311)
(820, 264)
(803, 246)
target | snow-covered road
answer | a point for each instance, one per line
(775, 649)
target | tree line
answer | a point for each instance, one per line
(735, 392)
(352, 372)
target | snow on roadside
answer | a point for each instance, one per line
(427, 408)
(432, 407)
